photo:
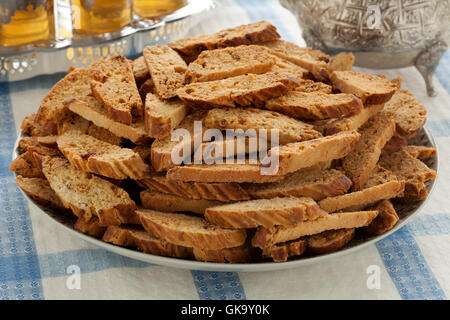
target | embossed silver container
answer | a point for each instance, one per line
(383, 34)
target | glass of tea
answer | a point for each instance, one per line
(26, 21)
(156, 8)
(100, 16)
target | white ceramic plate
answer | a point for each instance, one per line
(405, 212)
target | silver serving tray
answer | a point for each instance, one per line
(47, 57)
(405, 212)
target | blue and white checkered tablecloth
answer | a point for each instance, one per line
(414, 262)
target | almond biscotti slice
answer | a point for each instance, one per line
(289, 130)
(147, 87)
(410, 169)
(315, 105)
(241, 254)
(330, 241)
(409, 114)
(286, 211)
(189, 231)
(52, 110)
(312, 60)
(140, 70)
(172, 203)
(342, 220)
(229, 62)
(76, 122)
(224, 172)
(382, 184)
(304, 183)
(162, 116)
(166, 69)
(90, 109)
(282, 251)
(343, 61)
(285, 66)
(224, 192)
(91, 227)
(421, 152)
(136, 237)
(359, 164)
(244, 90)
(32, 128)
(162, 149)
(350, 123)
(115, 87)
(92, 155)
(307, 85)
(387, 218)
(190, 48)
(39, 189)
(395, 144)
(299, 155)
(370, 89)
(86, 194)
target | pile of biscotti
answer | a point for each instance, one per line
(100, 148)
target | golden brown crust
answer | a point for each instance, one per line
(252, 33)
(386, 219)
(166, 69)
(282, 251)
(267, 237)
(224, 192)
(171, 203)
(136, 237)
(162, 116)
(115, 87)
(221, 173)
(343, 61)
(87, 195)
(359, 164)
(413, 171)
(92, 155)
(39, 189)
(140, 70)
(382, 184)
(370, 89)
(241, 254)
(298, 155)
(189, 231)
(52, 110)
(409, 114)
(91, 227)
(289, 130)
(285, 211)
(229, 62)
(90, 109)
(244, 90)
(315, 105)
(305, 183)
(329, 241)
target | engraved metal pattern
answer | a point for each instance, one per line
(407, 30)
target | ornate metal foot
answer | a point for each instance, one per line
(427, 61)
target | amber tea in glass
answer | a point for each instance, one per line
(25, 21)
(155, 8)
(100, 16)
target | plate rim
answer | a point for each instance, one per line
(233, 267)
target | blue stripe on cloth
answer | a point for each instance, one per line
(430, 225)
(443, 71)
(218, 285)
(264, 10)
(439, 128)
(408, 268)
(16, 233)
(89, 260)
